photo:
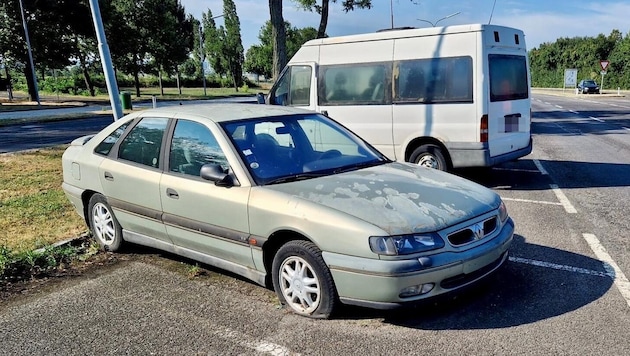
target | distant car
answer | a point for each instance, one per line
(588, 87)
(287, 198)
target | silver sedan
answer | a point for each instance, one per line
(289, 199)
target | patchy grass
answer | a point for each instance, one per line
(34, 211)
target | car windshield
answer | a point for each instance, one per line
(590, 83)
(293, 147)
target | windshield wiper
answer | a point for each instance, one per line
(295, 178)
(357, 166)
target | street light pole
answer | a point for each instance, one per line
(391, 12)
(443, 18)
(106, 60)
(30, 55)
(202, 55)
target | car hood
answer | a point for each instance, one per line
(399, 198)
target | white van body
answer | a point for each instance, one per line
(443, 97)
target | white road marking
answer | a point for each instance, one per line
(515, 170)
(596, 119)
(560, 267)
(541, 169)
(563, 199)
(575, 112)
(532, 201)
(610, 266)
(258, 345)
(559, 107)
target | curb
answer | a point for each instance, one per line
(68, 241)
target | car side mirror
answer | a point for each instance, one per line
(260, 97)
(214, 173)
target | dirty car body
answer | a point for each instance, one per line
(288, 198)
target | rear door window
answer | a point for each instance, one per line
(508, 77)
(144, 142)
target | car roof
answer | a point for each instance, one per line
(219, 112)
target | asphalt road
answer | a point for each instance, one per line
(564, 290)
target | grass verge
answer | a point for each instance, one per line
(34, 215)
(34, 211)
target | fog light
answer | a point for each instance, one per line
(416, 290)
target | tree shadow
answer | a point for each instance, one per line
(517, 294)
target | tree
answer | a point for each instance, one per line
(259, 58)
(322, 10)
(549, 61)
(232, 46)
(212, 48)
(127, 36)
(46, 20)
(620, 62)
(169, 36)
(279, 37)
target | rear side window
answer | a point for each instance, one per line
(106, 145)
(508, 77)
(434, 80)
(143, 143)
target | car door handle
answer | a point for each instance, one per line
(109, 176)
(171, 193)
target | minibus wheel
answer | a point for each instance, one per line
(429, 155)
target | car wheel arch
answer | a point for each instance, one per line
(421, 141)
(273, 244)
(85, 198)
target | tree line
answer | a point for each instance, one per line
(155, 38)
(159, 39)
(549, 61)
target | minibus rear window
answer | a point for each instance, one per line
(508, 77)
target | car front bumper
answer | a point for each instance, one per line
(378, 283)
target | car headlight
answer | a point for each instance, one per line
(405, 244)
(503, 213)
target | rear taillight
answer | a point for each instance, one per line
(483, 129)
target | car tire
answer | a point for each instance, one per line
(429, 155)
(302, 280)
(103, 224)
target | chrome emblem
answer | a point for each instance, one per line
(477, 230)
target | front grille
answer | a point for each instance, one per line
(473, 232)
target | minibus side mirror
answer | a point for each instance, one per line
(260, 97)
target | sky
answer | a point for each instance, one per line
(541, 20)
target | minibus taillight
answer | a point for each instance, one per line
(483, 130)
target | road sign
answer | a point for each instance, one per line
(602, 72)
(604, 64)
(570, 78)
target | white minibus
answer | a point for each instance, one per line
(441, 97)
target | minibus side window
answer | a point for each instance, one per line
(294, 87)
(354, 84)
(300, 86)
(433, 80)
